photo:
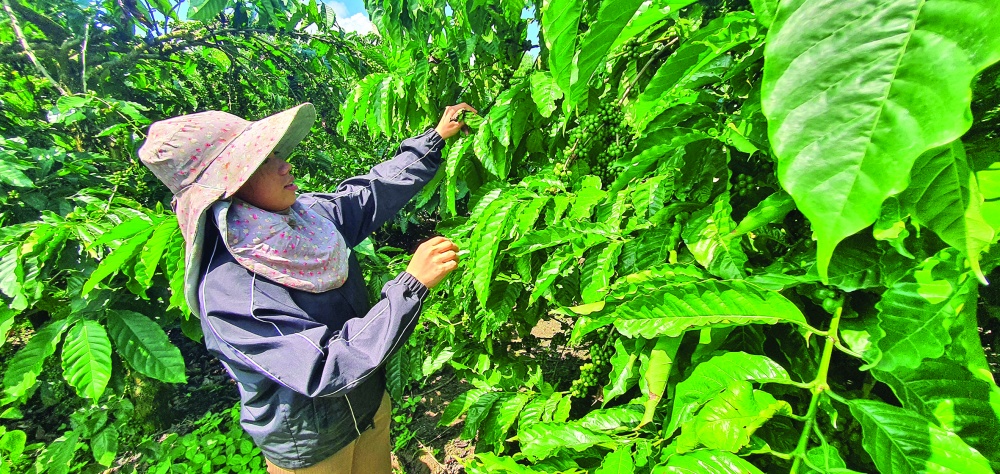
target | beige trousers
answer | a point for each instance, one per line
(369, 454)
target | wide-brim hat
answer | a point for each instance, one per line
(208, 156)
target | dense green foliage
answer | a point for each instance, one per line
(766, 227)
(764, 220)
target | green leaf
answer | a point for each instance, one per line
(727, 421)
(702, 59)
(680, 307)
(477, 413)
(708, 236)
(772, 209)
(490, 230)
(900, 441)
(612, 16)
(765, 11)
(707, 461)
(713, 376)
(617, 462)
(58, 456)
(12, 278)
(105, 446)
(145, 346)
(916, 313)
(86, 359)
(948, 394)
(828, 460)
(944, 196)
(602, 269)
(560, 21)
(624, 371)
(12, 176)
(654, 373)
(626, 417)
(152, 251)
(456, 152)
(503, 415)
(583, 233)
(855, 91)
(545, 92)
(206, 10)
(541, 440)
(460, 405)
(26, 365)
(116, 260)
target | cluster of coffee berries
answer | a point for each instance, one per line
(600, 362)
(630, 50)
(562, 172)
(745, 184)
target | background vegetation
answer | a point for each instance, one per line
(763, 230)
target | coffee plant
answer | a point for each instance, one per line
(764, 230)
(769, 224)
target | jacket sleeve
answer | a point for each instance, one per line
(361, 204)
(254, 323)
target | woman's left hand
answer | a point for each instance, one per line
(449, 125)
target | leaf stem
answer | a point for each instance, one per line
(820, 388)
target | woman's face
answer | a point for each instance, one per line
(271, 187)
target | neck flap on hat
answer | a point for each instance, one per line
(299, 249)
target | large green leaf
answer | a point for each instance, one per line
(545, 92)
(153, 249)
(505, 411)
(706, 461)
(727, 421)
(490, 230)
(560, 21)
(115, 260)
(944, 196)
(713, 376)
(684, 306)
(145, 346)
(26, 365)
(708, 236)
(206, 10)
(617, 462)
(854, 91)
(612, 17)
(460, 405)
(916, 313)
(11, 175)
(624, 371)
(599, 269)
(86, 358)
(12, 278)
(541, 440)
(702, 59)
(945, 392)
(654, 373)
(902, 442)
(477, 413)
(456, 152)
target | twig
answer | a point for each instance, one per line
(644, 68)
(83, 58)
(29, 52)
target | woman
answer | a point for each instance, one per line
(281, 297)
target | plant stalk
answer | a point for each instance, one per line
(819, 389)
(28, 51)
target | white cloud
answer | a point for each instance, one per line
(358, 22)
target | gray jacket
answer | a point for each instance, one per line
(309, 365)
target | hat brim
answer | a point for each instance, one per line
(278, 133)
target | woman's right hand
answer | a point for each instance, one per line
(433, 260)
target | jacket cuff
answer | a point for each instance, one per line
(412, 285)
(432, 140)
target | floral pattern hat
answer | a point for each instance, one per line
(207, 156)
